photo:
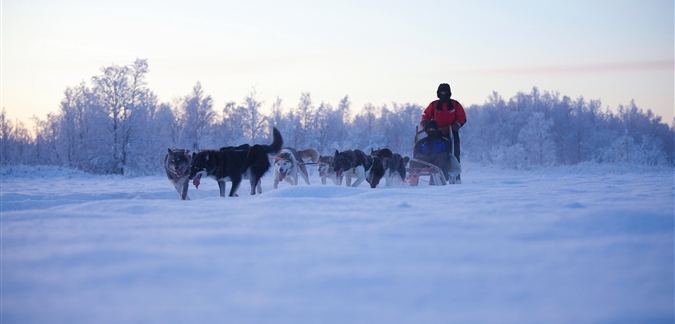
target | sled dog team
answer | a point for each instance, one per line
(251, 162)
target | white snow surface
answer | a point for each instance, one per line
(557, 245)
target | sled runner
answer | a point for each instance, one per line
(415, 174)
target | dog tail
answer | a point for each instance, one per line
(277, 143)
(309, 153)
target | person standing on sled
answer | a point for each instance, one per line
(448, 114)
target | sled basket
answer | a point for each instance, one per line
(419, 170)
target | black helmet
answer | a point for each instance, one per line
(444, 92)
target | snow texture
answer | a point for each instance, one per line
(556, 245)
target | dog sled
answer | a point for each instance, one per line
(420, 170)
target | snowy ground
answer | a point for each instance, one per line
(575, 245)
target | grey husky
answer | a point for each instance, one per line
(177, 166)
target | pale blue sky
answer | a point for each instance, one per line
(374, 51)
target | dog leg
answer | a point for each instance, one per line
(360, 176)
(178, 189)
(294, 175)
(221, 186)
(387, 177)
(184, 190)
(276, 178)
(303, 172)
(254, 183)
(235, 186)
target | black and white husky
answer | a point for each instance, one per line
(291, 162)
(394, 164)
(234, 164)
(326, 170)
(358, 164)
(177, 166)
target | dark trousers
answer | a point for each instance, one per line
(455, 141)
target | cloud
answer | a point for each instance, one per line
(636, 66)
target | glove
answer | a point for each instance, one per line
(455, 126)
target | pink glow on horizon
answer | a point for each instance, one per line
(638, 66)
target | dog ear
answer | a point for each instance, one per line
(169, 151)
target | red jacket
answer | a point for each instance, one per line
(446, 116)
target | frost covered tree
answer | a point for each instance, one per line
(84, 137)
(161, 133)
(325, 120)
(365, 133)
(331, 127)
(276, 114)
(15, 139)
(397, 127)
(143, 144)
(196, 117)
(535, 138)
(118, 126)
(45, 148)
(305, 131)
(646, 129)
(229, 131)
(255, 124)
(284, 122)
(74, 126)
(122, 92)
(6, 128)
(341, 126)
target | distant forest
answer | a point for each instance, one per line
(115, 125)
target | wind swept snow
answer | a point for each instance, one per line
(569, 245)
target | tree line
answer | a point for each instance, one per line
(116, 125)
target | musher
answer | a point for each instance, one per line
(449, 114)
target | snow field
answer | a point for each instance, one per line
(547, 246)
